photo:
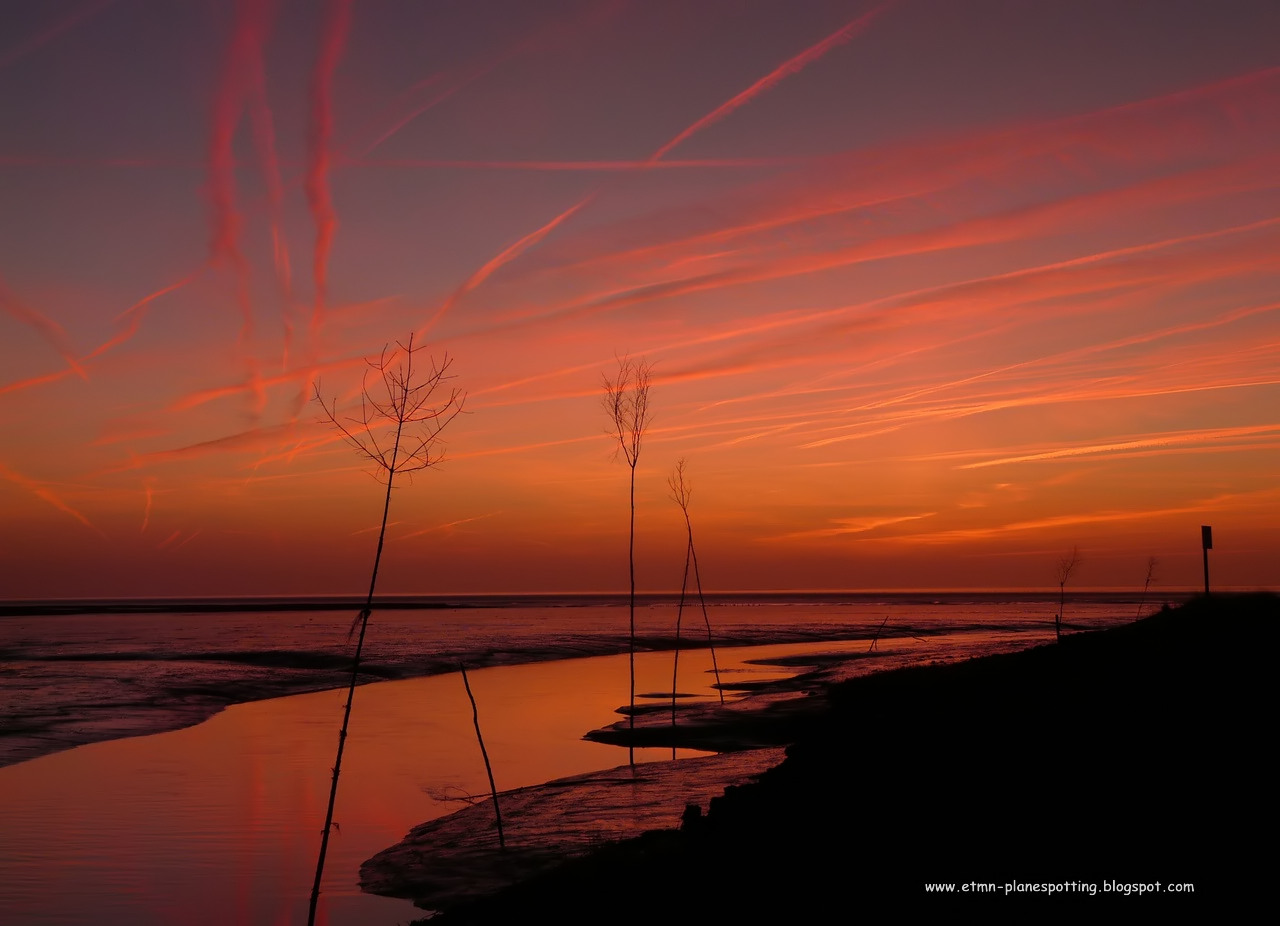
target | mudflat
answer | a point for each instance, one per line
(1132, 765)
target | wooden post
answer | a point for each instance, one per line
(1206, 544)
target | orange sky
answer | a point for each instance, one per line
(934, 292)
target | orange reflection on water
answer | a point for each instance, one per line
(220, 822)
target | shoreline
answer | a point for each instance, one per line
(52, 607)
(1128, 756)
(547, 824)
(567, 818)
(98, 680)
(264, 677)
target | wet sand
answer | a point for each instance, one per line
(1081, 773)
(457, 858)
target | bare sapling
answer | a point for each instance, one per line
(626, 403)
(403, 409)
(681, 492)
(1152, 562)
(875, 638)
(1066, 566)
(484, 754)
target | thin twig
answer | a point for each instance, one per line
(876, 638)
(675, 663)
(493, 789)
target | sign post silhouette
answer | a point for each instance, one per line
(1206, 544)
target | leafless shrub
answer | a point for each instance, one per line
(1152, 562)
(1066, 566)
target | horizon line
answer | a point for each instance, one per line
(443, 600)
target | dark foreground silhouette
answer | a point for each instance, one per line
(1114, 760)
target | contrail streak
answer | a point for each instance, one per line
(540, 40)
(789, 267)
(82, 13)
(795, 65)
(787, 69)
(168, 540)
(146, 511)
(301, 375)
(505, 257)
(264, 136)
(1159, 441)
(148, 163)
(1170, 127)
(1225, 502)
(252, 23)
(50, 330)
(441, 527)
(46, 494)
(190, 537)
(617, 166)
(855, 526)
(319, 137)
(136, 312)
(432, 102)
(30, 381)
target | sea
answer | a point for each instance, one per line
(169, 762)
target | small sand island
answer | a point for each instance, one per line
(1131, 764)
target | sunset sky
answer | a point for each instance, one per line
(934, 291)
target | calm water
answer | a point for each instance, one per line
(219, 822)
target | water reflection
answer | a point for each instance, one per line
(220, 822)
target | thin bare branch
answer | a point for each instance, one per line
(1067, 565)
(453, 793)
(681, 491)
(484, 753)
(414, 410)
(626, 402)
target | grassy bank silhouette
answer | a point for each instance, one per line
(1134, 755)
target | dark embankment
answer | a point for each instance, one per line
(1119, 758)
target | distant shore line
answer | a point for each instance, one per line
(197, 605)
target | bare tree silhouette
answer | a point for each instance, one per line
(681, 492)
(1066, 566)
(626, 402)
(398, 431)
(1152, 562)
